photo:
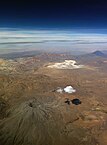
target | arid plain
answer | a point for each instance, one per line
(33, 112)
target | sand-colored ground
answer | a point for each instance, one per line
(32, 112)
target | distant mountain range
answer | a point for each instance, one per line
(19, 54)
(95, 54)
(100, 53)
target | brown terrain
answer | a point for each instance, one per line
(32, 112)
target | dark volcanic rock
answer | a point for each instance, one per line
(67, 101)
(76, 101)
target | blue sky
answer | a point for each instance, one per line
(54, 13)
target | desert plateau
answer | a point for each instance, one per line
(36, 106)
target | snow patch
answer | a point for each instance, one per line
(69, 89)
(67, 64)
(59, 90)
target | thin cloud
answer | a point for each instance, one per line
(69, 40)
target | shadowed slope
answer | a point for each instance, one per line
(36, 123)
(30, 123)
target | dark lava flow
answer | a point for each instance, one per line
(74, 101)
